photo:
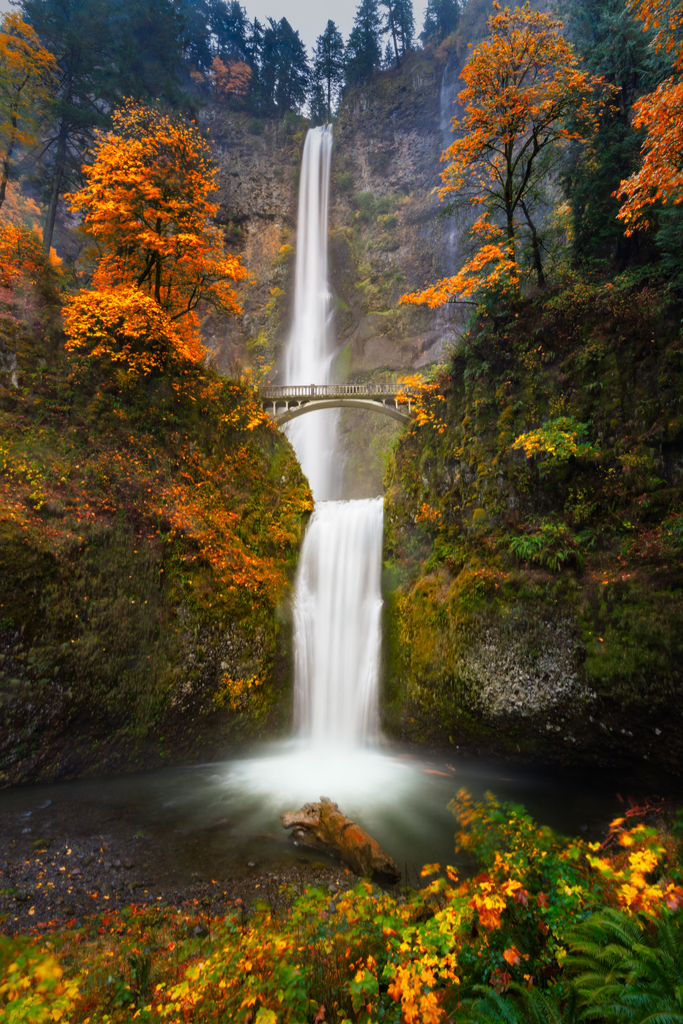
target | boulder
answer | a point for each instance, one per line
(324, 827)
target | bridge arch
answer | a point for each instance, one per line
(289, 402)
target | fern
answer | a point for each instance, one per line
(520, 1005)
(628, 969)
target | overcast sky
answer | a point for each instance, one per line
(308, 16)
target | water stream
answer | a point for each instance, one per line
(338, 599)
(310, 349)
(448, 109)
(337, 625)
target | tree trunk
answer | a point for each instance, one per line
(6, 160)
(5, 178)
(56, 190)
(393, 32)
(535, 247)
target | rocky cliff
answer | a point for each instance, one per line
(385, 238)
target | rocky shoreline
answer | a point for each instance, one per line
(45, 885)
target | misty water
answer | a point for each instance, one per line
(217, 816)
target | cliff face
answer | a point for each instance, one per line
(258, 173)
(534, 600)
(385, 239)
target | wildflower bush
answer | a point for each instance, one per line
(557, 441)
(546, 928)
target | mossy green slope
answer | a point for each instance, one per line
(535, 601)
(148, 534)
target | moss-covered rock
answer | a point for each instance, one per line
(535, 534)
(148, 535)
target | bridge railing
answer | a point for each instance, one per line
(330, 390)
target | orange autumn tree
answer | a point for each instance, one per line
(660, 113)
(525, 96)
(231, 79)
(28, 75)
(147, 203)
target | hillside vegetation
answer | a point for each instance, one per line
(540, 585)
(149, 529)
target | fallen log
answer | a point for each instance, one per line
(324, 827)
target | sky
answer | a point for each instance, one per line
(309, 17)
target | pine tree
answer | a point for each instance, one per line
(229, 26)
(254, 56)
(196, 49)
(317, 103)
(363, 50)
(78, 34)
(441, 19)
(403, 24)
(148, 49)
(328, 62)
(391, 26)
(612, 44)
(283, 72)
(106, 50)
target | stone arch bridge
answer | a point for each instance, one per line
(290, 401)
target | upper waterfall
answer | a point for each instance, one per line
(310, 348)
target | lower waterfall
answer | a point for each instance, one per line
(337, 623)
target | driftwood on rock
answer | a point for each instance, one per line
(324, 827)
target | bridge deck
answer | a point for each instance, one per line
(331, 390)
(289, 401)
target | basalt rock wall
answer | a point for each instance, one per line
(385, 239)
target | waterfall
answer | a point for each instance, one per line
(448, 107)
(310, 349)
(450, 87)
(338, 600)
(337, 623)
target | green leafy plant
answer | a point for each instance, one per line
(629, 968)
(557, 441)
(553, 545)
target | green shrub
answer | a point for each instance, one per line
(345, 181)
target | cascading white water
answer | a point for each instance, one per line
(310, 350)
(450, 87)
(338, 590)
(337, 623)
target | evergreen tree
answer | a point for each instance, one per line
(391, 26)
(363, 50)
(105, 50)
(196, 42)
(283, 70)
(254, 53)
(441, 19)
(400, 25)
(612, 44)
(78, 33)
(317, 102)
(229, 26)
(293, 70)
(328, 63)
(148, 51)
